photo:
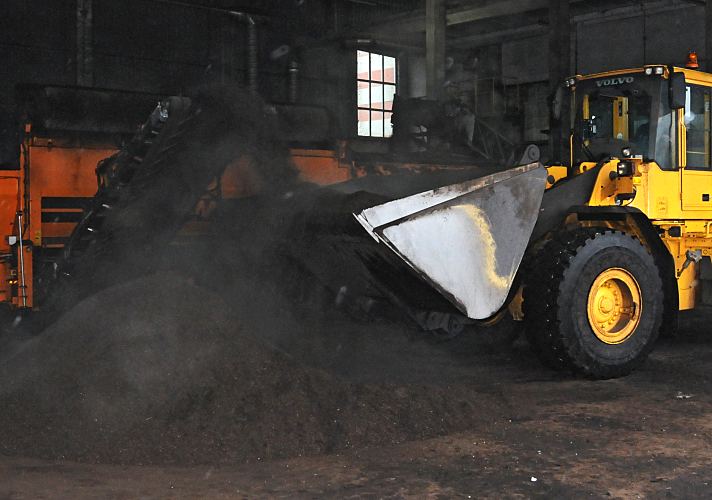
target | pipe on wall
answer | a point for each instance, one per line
(252, 43)
(252, 53)
(85, 43)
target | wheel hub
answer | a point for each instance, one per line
(614, 305)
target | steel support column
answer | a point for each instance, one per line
(435, 25)
(559, 69)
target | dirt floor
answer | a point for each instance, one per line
(364, 409)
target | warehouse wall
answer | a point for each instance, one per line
(138, 45)
(658, 37)
(37, 44)
(152, 47)
(328, 78)
(663, 35)
(142, 45)
(147, 46)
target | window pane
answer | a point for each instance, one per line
(362, 64)
(387, 126)
(363, 122)
(697, 123)
(602, 108)
(389, 69)
(377, 67)
(362, 96)
(377, 95)
(376, 124)
(375, 92)
(389, 92)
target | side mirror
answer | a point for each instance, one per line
(678, 90)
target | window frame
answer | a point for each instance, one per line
(370, 109)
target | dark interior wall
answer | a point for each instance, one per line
(37, 40)
(663, 35)
(141, 45)
(137, 45)
(328, 77)
(659, 37)
(149, 46)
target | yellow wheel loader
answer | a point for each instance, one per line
(596, 256)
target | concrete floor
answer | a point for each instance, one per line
(543, 435)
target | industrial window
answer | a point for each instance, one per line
(376, 88)
(697, 123)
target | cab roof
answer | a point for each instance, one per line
(691, 75)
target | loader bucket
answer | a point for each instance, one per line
(468, 239)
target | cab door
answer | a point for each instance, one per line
(696, 193)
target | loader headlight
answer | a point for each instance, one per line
(625, 169)
(570, 82)
(655, 70)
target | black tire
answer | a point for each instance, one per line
(556, 297)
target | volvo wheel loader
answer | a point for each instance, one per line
(596, 256)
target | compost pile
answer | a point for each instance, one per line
(160, 370)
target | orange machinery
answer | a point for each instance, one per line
(42, 201)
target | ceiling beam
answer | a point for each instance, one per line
(414, 24)
(494, 9)
(462, 15)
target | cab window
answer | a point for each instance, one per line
(697, 123)
(618, 116)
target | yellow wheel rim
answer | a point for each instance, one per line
(614, 305)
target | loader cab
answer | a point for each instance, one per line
(660, 113)
(623, 110)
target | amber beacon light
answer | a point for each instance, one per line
(692, 60)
